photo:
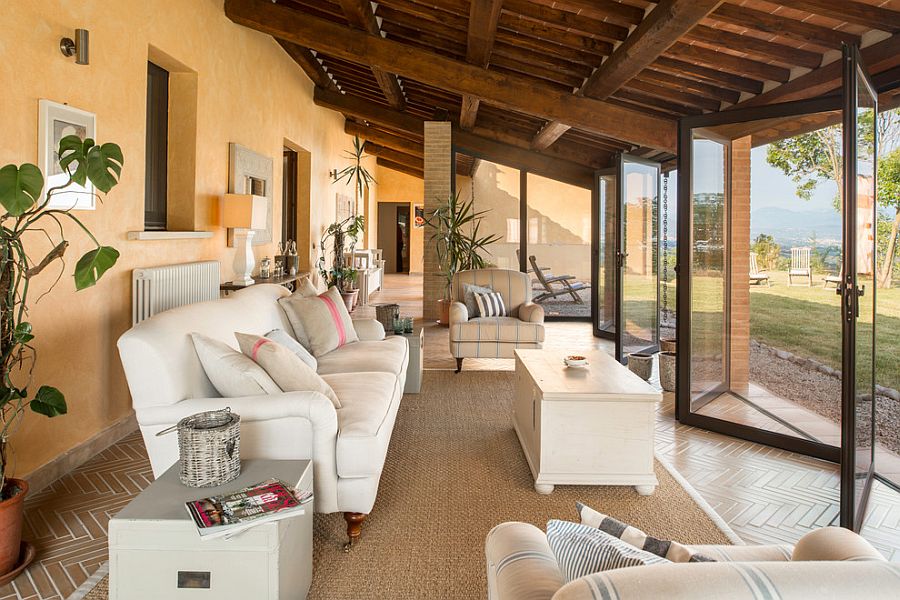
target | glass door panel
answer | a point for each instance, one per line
(638, 256)
(605, 275)
(858, 290)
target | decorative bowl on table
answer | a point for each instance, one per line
(576, 361)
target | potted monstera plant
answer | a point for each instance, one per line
(27, 222)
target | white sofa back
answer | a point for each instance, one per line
(158, 354)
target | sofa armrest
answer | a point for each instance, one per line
(312, 406)
(368, 330)
(458, 313)
(520, 564)
(531, 313)
(834, 543)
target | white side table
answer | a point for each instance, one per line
(155, 551)
(415, 368)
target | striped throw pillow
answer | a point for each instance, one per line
(672, 551)
(582, 550)
(490, 304)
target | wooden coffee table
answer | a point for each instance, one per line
(590, 426)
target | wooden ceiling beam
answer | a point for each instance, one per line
(665, 93)
(723, 60)
(858, 13)
(615, 12)
(415, 162)
(543, 164)
(360, 15)
(684, 84)
(406, 170)
(310, 64)
(776, 24)
(754, 46)
(707, 75)
(435, 69)
(483, 17)
(543, 31)
(381, 137)
(665, 24)
(565, 20)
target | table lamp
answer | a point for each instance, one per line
(244, 213)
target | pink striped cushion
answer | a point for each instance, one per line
(324, 319)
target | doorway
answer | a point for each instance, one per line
(393, 236)
(289, 195)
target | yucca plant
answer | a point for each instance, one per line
(457, 238)
(26, 217)
(355, 172)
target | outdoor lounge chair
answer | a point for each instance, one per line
(757, 276)
(800, 265)
(835, 279)
(566, 284)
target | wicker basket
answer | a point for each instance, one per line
(386, 314)
(209, 446)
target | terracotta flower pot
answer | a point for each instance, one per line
(444, 306)
(350, 299)
(667, 371)
(11, 516)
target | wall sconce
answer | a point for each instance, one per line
(79, 47)
(333, 173)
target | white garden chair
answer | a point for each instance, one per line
(800, 265)
(757, 276)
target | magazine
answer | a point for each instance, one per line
(228, 514)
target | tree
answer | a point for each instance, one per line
(766, 250)
(889, 197)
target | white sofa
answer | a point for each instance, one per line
(347, 445)
(826, 564)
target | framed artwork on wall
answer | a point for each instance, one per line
(419, 218)
(344, 206)
(251, 173)
(56, 121)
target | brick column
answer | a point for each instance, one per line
(739, 273)
(438, 173)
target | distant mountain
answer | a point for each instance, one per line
(794, 226)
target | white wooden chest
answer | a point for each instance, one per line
(155, 551)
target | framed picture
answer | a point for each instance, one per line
(250, 172)
(419, 218)
(56, 121)
(344, 207)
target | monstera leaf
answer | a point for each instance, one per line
(20, 187)
(93, 265)
(49, 401)
(85, 160)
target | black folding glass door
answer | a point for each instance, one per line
(767, 349)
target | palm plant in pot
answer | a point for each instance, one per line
(30, 220)
(342, 237)
(458, 243)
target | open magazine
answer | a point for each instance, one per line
(229, 514)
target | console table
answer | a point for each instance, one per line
(287, 281)
(155, 551)
(591, 426)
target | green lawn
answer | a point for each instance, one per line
(807, 322)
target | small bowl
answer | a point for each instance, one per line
(576, 360)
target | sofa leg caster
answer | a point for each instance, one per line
(459, 365)
(354, 528)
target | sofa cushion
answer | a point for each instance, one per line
(280, 336)
(323, 319)
(497, 329)
(305, 289)
(231, 373)
(365, 419)
(284, 367)
(582, 550)
(632, 535)
(383, 356)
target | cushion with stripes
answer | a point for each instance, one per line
(672, 551)
(583, 550)
(324, 319)
(490, 304)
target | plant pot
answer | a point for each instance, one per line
(11, 516)
(667, 344)
(641, 364)
(667, 371)
(444, 308)
(350, 299)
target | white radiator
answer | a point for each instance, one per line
(156, 289)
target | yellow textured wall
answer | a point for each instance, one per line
(249, 92)
(394, 186)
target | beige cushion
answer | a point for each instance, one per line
(286, 368)
(323, 320)
(385, 356)
(280, 336)
(305, 289)
(364, 420)
(231, 373)
(749, 553)
(496, 329)
(834, 543)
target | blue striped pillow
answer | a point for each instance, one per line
(490, 304)
(582, 550)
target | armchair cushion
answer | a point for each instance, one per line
(231, 373)
(531, 312)
(490, 304)
(495, 329)
(469, 291)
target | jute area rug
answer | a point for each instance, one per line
(453, 471)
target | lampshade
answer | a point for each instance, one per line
(244, 211)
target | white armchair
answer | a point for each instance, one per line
(494, 337)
